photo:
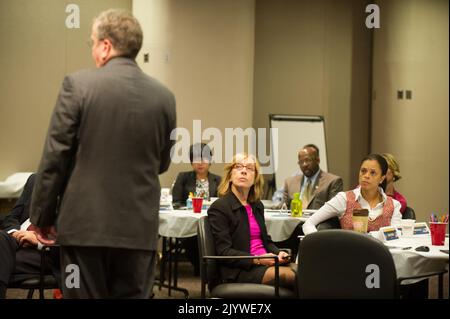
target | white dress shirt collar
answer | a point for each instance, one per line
(359, 197)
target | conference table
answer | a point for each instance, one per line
(178, 224)
(409, 262)
(183, 223)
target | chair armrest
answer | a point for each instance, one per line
(277, 265)
(44, 249)
(241, 257)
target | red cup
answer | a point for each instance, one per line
(438, 233)
(197, 203)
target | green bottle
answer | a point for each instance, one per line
(296, 206)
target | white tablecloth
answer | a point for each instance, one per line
(183, 223)
(179, 223)
(280, 226)
(12, 187)
(411, 262)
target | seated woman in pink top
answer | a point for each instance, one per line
(393, 175)
(238, 226)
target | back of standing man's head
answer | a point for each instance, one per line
(122, 29)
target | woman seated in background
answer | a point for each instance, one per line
(238, 227)
(393, 175)
(383, 210)
(199, 181)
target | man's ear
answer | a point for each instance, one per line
(106, 51)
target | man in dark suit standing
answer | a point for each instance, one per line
(109, 138)
(18, 243)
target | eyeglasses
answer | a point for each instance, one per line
(249, 167)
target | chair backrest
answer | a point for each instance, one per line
(331, 223)
(342, 264)
(207, 248)
(409, 213)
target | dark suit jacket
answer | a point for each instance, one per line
(185, 183)
(325, 188)
(109, 138)
(229, 225)
(21, 210)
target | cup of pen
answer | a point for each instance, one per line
(437, 231)
(197, 203)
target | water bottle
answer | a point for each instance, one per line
(189, 203)
(296, 206)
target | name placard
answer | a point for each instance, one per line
(421, 229)
(388, 233)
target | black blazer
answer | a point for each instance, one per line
(21, 211)
(231, 231)
(185, 183)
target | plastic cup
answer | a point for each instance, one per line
(438, 233)
(408, 227)
(360, 220)
(197, 203)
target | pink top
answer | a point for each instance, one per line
(256, 243)
(401, 199)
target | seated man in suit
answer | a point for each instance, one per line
(18, 243)
(315, 186)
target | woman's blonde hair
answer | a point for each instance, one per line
(256, 190)
(393, 165)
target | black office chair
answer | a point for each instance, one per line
(210, 274)
(331, 223)
(39, 282)
(343, 264)
(409, 213)
(338, 264)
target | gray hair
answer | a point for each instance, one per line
(122, 29)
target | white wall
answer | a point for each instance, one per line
(314, 58)
(411, 53)
(37, 50)
(203, 51)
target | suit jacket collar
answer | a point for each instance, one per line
(193, 181)
(211, 179)
(236, 204)
(120, 60)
